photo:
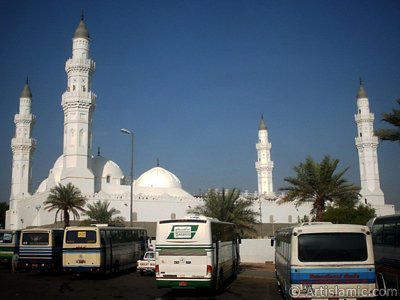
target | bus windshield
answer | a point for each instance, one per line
(6, 237)
(332, 247)
(81, 237)
(35, 238)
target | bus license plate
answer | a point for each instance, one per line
(183, 283)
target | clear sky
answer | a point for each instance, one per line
(192, 78)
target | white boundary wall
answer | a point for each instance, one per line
(256, 251)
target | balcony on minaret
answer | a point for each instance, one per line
(23, 143)
(367, 140)
(18, 118)
(81, 64)
(78, 98)
(364, 117)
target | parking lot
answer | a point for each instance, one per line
(255, 281)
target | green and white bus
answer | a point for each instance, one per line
(9, 244)
(103, 249)
(196, 252)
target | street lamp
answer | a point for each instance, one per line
(38, 206)
(124, 130)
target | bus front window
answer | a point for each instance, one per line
(332, 247)
(81, 237)
(35, 238)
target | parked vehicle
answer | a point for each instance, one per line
(196, 252)
(9, 245)
(103, 249)
(386, 241)
(324, 260)
(147, 264)
(41, 249)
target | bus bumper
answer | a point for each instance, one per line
(184, 283)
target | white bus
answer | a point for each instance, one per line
(9, 245)
(41, 249)
(196, 252)
(325, 261)
(386, 241)
(102, 249)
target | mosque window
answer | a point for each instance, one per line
(108, 178)
(290, 220)
(173, 216)
(271, 219)
(134, 216)
(84, 88)
(73, 88)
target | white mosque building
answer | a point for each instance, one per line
(157, 193)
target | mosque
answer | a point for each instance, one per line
(158, 193)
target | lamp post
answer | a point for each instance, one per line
(124, 130)
(38, 206)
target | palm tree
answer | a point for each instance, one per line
(392, 118)
(318, 182)
(228, 206)
(99, 212)
(67, 199)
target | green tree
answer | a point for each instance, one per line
(3, 208)
(349, 214)
(318, 182)
(66, 199)
(99, 212)
(392, 134)
(228, 206)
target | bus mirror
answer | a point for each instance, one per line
(272, 241)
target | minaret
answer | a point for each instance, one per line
(23, 146)
(78, 103)
(264, 165)
(367, 144)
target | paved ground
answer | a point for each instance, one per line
(255, 281)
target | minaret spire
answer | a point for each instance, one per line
(264, 165)
(367, 144)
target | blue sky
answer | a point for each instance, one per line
(192, 78)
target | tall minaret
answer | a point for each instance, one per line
(78, 103)
(23, 146)
(264, 165)
(367, 144)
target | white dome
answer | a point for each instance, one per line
(158, 178)
(102, 167)
(57, 169)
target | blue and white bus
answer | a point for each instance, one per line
(324, 260)
(103, 249)
(386, 241)
(41, 249)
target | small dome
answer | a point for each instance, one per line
(102, 167)
(81, 31)
(361, 92)
(26, 92)
(158, 178)
(262, 125)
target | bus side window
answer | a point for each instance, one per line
(377, 234)
(103, 238)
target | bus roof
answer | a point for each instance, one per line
(324, 227)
